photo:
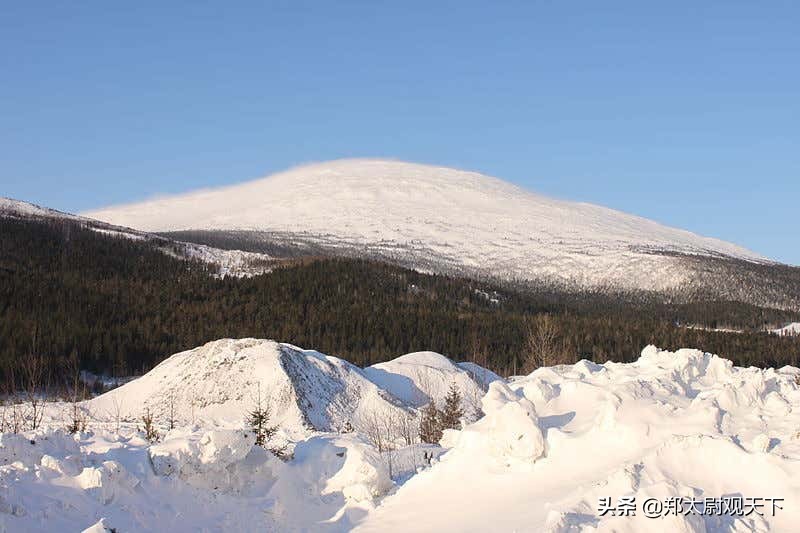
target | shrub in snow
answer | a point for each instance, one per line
(149, 428)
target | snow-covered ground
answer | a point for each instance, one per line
(685, 426)
(438, 218)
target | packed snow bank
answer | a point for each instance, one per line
(685, 425)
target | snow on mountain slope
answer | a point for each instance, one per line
(442, 218)
(228, 262)
(671, 425)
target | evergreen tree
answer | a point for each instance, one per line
(149, 427)
(258, 420)
(452, 413)
(430, 430)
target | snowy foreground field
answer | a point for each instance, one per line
(684, 437)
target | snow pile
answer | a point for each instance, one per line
(201, 456)
(686, 425)
(509, 431)
(218, 384)
(421, 377)
(341, 464)
(565, 449)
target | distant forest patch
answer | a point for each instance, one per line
(122, 306)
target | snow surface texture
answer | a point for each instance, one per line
(193, 481)
(418, 378)
(235, 263)
(683, 424)
(441, 217)
(218, 383)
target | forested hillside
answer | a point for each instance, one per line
(122, 306)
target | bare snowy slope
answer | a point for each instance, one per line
(438, 218)
(228, 262)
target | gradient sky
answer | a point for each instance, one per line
(684, 112)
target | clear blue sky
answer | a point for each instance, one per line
(685, 112)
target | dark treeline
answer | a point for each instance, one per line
(123, 306)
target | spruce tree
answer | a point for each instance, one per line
(430, 431)
(452, 413)
(258, 420)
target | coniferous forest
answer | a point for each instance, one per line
(122, 306)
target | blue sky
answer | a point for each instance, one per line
(687, 113)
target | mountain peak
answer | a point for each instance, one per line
(437, 218)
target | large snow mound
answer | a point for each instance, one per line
(438, 217)
(218, 383)
(686, 424)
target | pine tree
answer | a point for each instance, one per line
(430, 430)
(258, 420)
(452, 413)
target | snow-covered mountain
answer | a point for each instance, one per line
(218, 383)
(441, 219)
(227, 262)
